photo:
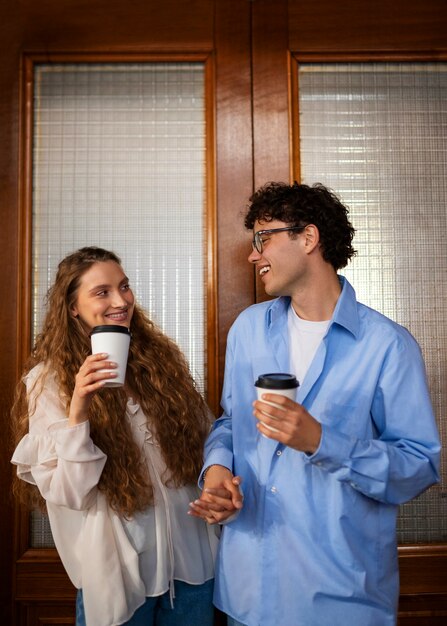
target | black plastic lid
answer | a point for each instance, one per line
(110, 328)
(277, 381)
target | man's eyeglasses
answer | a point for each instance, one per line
(258, 241)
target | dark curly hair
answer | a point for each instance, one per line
(299, 205)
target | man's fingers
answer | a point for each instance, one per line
(233, 486)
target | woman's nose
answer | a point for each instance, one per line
(119, 300)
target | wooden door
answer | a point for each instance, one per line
(34, 588)
(284, 34)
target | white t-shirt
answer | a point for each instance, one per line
(304, 339)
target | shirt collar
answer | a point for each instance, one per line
(277, 309)
(345, 313)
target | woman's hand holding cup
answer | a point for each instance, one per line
(93, 374)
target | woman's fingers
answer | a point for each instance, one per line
(94, 372)
(92, 376)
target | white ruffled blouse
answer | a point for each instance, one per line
(117, 562)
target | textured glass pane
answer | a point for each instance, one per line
(119, 162)
(377, 134)
(40, 531)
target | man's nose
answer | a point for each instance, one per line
(254, 256)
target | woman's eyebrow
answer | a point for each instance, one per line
(99, 287)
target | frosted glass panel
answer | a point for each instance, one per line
(119, 162)
(377, 134)
(119, 154)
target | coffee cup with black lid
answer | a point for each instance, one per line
(113, 340)
(278, 383)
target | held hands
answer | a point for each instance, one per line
(221, 497)
(88, 380)
(295, 426)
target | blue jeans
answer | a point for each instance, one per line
(193, 606)
(232, 622)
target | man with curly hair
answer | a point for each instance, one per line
(312, 541)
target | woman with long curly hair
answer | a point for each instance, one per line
(115, 468)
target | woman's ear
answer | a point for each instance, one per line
(311, 238)
(74, 311)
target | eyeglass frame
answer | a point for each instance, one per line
(257, 241)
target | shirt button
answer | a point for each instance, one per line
(278, 453)
(273, 490)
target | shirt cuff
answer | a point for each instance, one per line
(220, 456)
(334, 450)
(73, 443)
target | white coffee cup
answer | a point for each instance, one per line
(276, 383)
(114, 341)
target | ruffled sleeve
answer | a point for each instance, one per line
(62, 461)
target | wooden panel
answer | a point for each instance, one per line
(271, 131)
(423, 577)
(46, 614)
(270, 92)
(115, 25)
(234, 167)
(9, 106)
(423, 569)
(423, 610)
(379, 25)
(40, 574)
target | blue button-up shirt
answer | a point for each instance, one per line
(315, 543)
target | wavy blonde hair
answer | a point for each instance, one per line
(158, 377)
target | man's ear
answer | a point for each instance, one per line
(311, 238)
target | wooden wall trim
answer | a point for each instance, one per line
(370, 56)
(126, 56)
(212, 321)
(25, 214)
